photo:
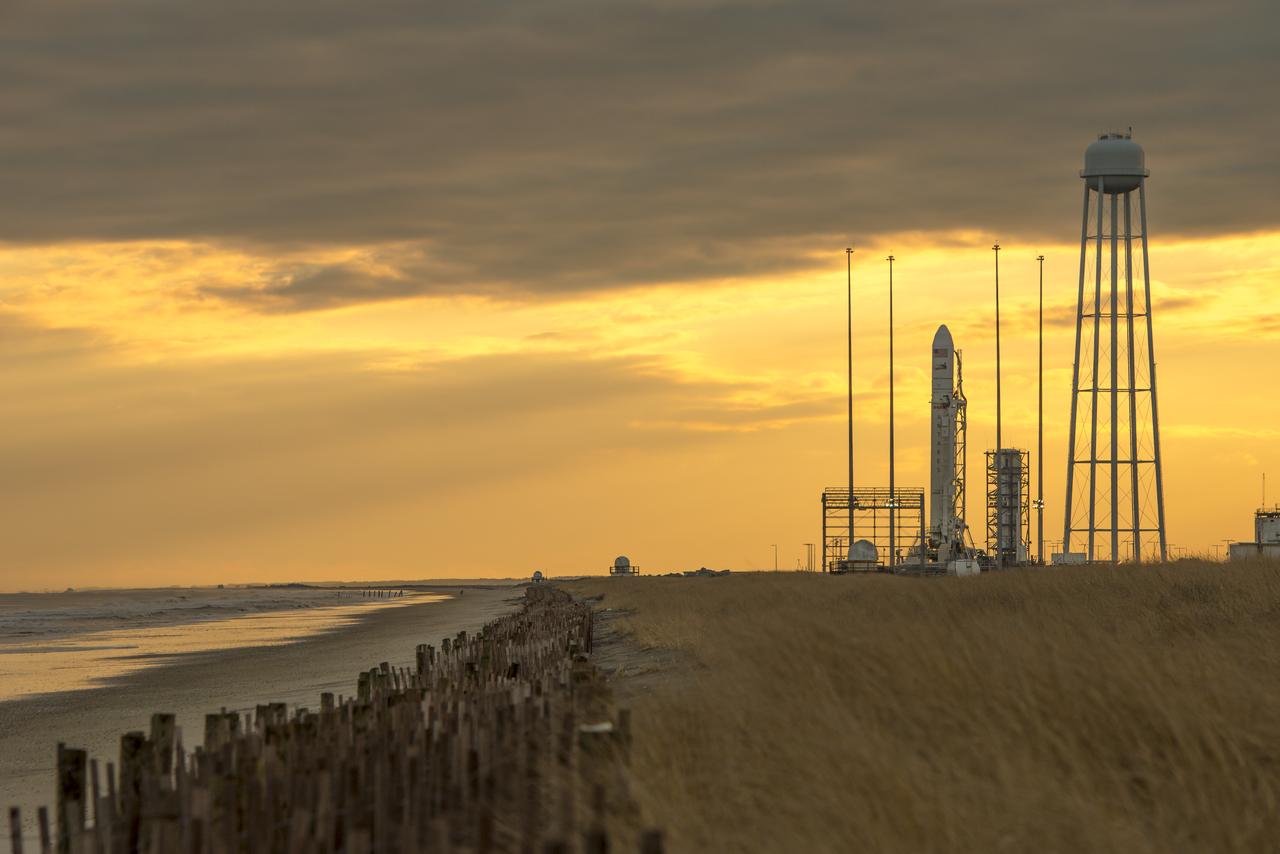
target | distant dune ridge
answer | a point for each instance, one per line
(1089, 709)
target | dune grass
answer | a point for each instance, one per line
(1083, 709)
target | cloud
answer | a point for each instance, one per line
(287, 462)
(1060, 315)
(550, 147)
(318, 287)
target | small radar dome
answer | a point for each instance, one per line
(537, 575)
(621, 562)
(1117, 161)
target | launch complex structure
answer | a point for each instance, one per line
(935, 531)
(1114, 502)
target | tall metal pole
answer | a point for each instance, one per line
(893, 492)
(999, 444)
(848, 257)
(1040, 428)
(775, 557)
(999, 440)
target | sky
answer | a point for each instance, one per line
(327, 290)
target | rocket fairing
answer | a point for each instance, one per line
(943, 523)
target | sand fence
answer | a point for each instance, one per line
(506, 740)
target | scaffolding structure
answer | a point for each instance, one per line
(961, 407)
(1008, 506)
(872, 510)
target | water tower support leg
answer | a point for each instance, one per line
(1075, 381)
(1151, 357)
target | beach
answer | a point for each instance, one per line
(195, 683)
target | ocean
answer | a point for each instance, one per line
(52, 642)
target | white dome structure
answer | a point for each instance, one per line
(864, 551)
(622, 565)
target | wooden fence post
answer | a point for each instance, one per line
(71, 798)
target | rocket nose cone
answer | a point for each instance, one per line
(942, 339)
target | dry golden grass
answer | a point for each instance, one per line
(1085, 709)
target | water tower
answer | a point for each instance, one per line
(1115, 486)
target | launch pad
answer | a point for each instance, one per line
(889, 530)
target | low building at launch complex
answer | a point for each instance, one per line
(1266, 537)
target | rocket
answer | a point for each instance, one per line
(942, 442)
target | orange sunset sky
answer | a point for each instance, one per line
(331, 291)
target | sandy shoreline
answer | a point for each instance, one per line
(190, 686)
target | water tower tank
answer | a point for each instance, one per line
(1118, 160)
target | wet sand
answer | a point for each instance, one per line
(192, 685)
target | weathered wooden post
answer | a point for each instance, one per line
(71, 798)
(15, 830)
(126, 830)
(42, 817)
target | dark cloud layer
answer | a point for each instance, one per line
(545, 147)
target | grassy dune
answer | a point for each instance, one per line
(1089, 709)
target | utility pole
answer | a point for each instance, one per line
(848, 256)
(775, 557)
(893, 492)
(1040, 428)
(999, 458)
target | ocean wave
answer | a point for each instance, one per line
(27, 617)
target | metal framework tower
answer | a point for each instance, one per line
(1008, 506)
(1115, 484)
(961, 404)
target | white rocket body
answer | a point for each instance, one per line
(942, 445)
